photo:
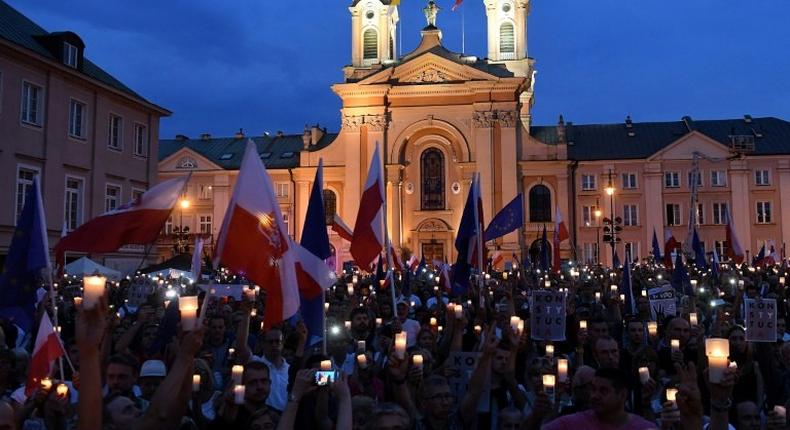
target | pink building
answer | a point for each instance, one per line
(91, 139)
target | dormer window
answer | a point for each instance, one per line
(186, 163)
(226, 156)
(70, 54)
(288, 154)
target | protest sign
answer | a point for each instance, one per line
(760, 320)
(464, 363)
(662, 301)
(547, 315)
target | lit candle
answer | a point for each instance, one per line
(675, 344)
(780, 411)
(378, 322)
(347, 325)
(514, 323)
(504, 276)
(597, 296)
(62, 390)
(326, 365)
(416, 359)
(672, 394)
(78, 302)
(652, 328)
(188, 307)
(434, 323)
(478, 330)
(355, 279)
(459, 312)
(400, 344)
(46, 384)
(326, 307)
(644, 375)
(231, 351)
(520, 330)
(350, 289)
(614, 289)
(782, 281)
(236, 371)
(362, 360)
(733, 365)
(717, 351)
(196, 382)
(644, 293)
(238, 394)
(361, 346)
(549, 351)
(549, 381)
(562, 370)
(583, 325)
(693, 319)
(547, 284)
(439, 329)
(93, 287)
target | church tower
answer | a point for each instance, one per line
(373, 33)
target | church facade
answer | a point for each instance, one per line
(440, 116)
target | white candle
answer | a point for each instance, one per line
(188, 319)
(362, 360)
(614, 289)
(675, 344)
(46, 384)
(78, 302)
(326, 365)
(93, 288)
(378, 322)
(597, 296)
(62, 390)
(672, 394)
(583, 325)
(459, 312)
(644, 375)
(416, 359)
(439, 329)
(549, 351)
(238, 394)
(196, 382)
(780, 411)
(717, 351)
(400, 344)
(231, 351)
(549, 381)
(652, 328)
(434, 323)
(520, 330)
(733, 365)
(348, 325)
(644, 293)
(547, 284)
(355, 279)
(716, 368)
(478, 330)
(504, 276)
(514, 323)
(326, 307)
(693, 319)
(562, 370)
(236, 372)
(350, 289)
(782, 281)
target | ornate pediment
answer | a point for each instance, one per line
(430, 75)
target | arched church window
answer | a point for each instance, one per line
(507, 39)
(432, 172)
(539, 204)
(330, 206)
(370, 44)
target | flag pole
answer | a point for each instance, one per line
(463, 31)
(475, 190)
(386, 233)
(323, 322)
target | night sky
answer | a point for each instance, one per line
(266, 65)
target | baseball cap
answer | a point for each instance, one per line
(153, 369)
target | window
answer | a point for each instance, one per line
(673, 214)
(330, 206)
(112, 197)
(763, 212)
(630, 215)
(169, 226)
(289, 154)
(629, 181)
(588, 182)
(671, 179)
(507, 39)
(720, 211)
(281, 189)
(590, 253)
(140, 140)
(692, 177)
(718, 178)
(631, 252)
(76, 119)
(287, 221)
(115, 132)
(540, 204)
(137, 194)
(73, 206)
(186, 163)
(588, 216)
(700, 215)
(266, 155)
(370, 45)
(762, 177)
(31, 103)
(70, 55)
(205, 191)
(24, 181)
(226, 156)
(204, 224)
(432, 173)
(721, 248)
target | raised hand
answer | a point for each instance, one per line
(689, 398)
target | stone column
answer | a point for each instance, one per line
(740, 208)
(301, 200)
(483, 124)
(783, 210)
(352, 186)
(220, 191)
(394, 203)
(653, 204)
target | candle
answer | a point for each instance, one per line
(652, 328)
(62, 390)
(355, 279)
(549, 381)
(362, 360)
(514, 323)
(644, 375)
(693, 319)
(504, 276)
(347, 325)
(93, 287)
(672, 394)
(562, 370)
(361, 346)
(478, 330)
(434, 323)
(416, 359)
(675, 344)
(597, 296)
(520, 330)
(614, 289)
(188, 306)
(547, 284)
(439, 329)
(733, 365)
(236, 371)
(350, 289)
(196, 382)
(231, 351)
(459, 312)
(782, 281)
(400, 344)
(326, 365)
(378, 322)
(583, 325)
(78, 302)
(644, 293)
(238, 394)
(717, 351)
(46, 384)
(549, 351)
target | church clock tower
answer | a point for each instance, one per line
(373, 35)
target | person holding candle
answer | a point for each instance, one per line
(750, 383)
(678, 329)
(272, 346)
(606, 353)
(257, 385)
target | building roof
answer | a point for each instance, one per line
(276, 151)
(589, 142)
(20, 30)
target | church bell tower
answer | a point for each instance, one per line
(373, 33)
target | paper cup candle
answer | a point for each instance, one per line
(549, 351)
(644, 375)
(93, 289)
(236, 372)
(549, 381)
(238, 394)
(652, 328)
(562, 370)
(718, 351)
(196, 382)
(416, 359)
(188, 307)
(400, 345)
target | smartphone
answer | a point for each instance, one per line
(325, 377)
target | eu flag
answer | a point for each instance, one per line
(699, 252)
(27, 257)
(510, 218)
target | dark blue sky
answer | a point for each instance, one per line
(266, 65)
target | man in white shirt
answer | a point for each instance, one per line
(278, 368)
(411, 327)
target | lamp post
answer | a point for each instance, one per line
(612, 229)
(182, 232)
(598, 214)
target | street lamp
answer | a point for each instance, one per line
(598, 214)
(612, 229)
(182, 232)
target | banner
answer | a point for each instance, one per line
(138, 292)
(225, 290)
(547, 315)
(662, 301)
(760, 320)
(464, 363)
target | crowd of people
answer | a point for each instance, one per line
(430, 359)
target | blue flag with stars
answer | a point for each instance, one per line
(27, 257)
(510, 218)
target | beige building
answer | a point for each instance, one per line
(440, 116)
(92, 140)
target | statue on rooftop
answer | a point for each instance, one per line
(431, 11)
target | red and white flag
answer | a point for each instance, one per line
(368, 241)
(444, 278)
(136, 223)
(339, 227)
(254, 241)
(197, 259)
(560, 229)
(397, 263)
(48, 348)
(413, 263)
(498, 260)
(734, 250)
(670, 245)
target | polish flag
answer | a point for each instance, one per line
(368, 241)
(560, 229)
(136, 223)
(497, 259)
(339, 227)
(397, 263)
(444, 278)
(254, 242)
(734, 250)
(48, 349)
(670, 245)
(413, 263)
